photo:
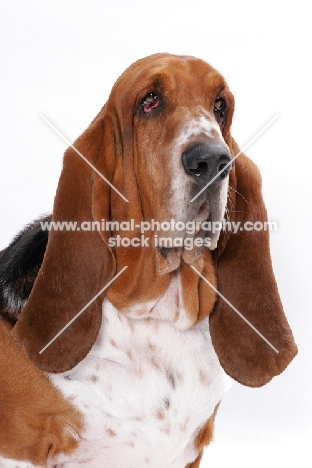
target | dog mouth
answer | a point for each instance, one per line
(198, 225)
(190, 244)
(187, 245)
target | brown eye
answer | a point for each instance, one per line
(219, 109)
(150, 102)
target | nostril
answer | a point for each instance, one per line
(223, 170)
(200, 170)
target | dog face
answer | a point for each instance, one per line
(175, 116)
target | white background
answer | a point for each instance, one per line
(61, 58)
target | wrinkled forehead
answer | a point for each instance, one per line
(165, 73)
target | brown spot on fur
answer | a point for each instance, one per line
(154, 323)
(110, 432)
(151, 347)
(203, 377)
(160, 414)
(166, 429)
(155, 364)
(113, 343)
(84, 461)
(185, 425)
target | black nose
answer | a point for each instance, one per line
(207, 162)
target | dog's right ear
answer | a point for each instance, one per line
(78, 263)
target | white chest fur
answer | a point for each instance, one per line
(145, 389)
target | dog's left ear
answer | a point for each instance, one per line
(245, 278)
(77, 263)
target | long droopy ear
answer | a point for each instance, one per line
(245, 278)
(77, 264)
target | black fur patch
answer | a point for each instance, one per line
(19, 266)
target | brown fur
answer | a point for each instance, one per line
(206, 433)
(35, 420)
(196, 463)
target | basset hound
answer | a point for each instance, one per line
(148, 320)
